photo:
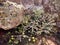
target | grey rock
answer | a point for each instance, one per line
(11, 15)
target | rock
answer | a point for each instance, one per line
(11, 15)
(47, 41)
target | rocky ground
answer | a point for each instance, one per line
(40, 24)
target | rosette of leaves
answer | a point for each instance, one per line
(35, 24)
(39, 22)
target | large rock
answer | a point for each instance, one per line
(11, 15)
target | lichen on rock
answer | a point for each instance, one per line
(11, 14)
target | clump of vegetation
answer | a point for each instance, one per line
(34, 27)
